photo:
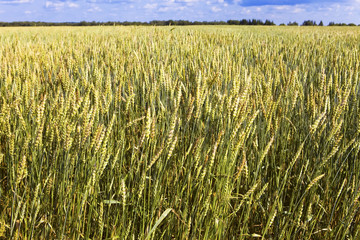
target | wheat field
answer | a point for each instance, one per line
(210, 132)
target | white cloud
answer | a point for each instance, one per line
(186, 1)
(346, 12)
(109, 1)
(171, 9)
(282, 8)
(171, 5)
(58, 5)
(73, 5)
(94, 9)
(55, 5)
(163, 9)
(150, 6)
(298, 10)
(215, 9)
(194, 10)
(15, 1)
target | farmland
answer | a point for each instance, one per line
(212, 132)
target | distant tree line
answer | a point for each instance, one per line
(151, 23)
(341, 24)
(167, 23)
(313, 23)
(250, 22)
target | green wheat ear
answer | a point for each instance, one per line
(191, 132)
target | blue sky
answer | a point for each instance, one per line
(280, 11)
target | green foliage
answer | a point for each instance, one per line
(309, 23)
(293, 24)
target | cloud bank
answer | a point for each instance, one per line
(280, 11)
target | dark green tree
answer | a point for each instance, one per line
(293, 24)
(309, 23)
